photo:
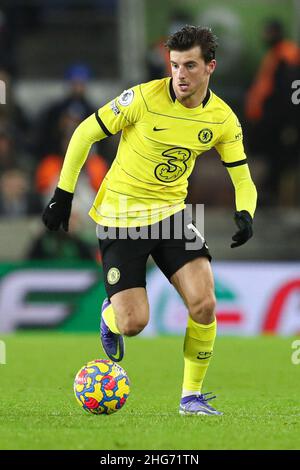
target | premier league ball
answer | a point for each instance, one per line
(101, 387)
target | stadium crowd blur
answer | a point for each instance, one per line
(32, 148)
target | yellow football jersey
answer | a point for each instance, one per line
(160, 142)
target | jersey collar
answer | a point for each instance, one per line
(171, 90)
(173, 96)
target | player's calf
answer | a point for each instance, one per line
(132, 310)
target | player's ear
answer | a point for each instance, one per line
(211, 66)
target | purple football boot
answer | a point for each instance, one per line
(197, 405)
(113, 344)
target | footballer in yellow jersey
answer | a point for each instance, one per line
(166, 124)
(160, 142)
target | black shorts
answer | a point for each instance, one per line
(172, 243)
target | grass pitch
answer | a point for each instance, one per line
(255, 381)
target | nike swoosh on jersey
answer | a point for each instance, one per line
(160, 128)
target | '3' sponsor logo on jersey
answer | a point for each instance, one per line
(175, 165)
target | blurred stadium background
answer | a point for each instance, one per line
(62, 59)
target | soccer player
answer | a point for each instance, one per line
(165, 125)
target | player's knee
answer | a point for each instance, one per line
(133, 323)
(132, 327)
(203, 310)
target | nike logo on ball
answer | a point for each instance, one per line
(160, 129)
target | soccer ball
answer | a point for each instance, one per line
(101, 387)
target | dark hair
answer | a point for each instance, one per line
(191, 36)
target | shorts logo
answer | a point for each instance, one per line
(113, 276)
(205, 136)
(126, 97)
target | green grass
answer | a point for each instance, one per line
(256, 384)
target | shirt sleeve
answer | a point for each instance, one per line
(230, 145)
(245, 190)
(78, 149)
(121, 112)
(231, 149)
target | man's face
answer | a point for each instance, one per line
(189, 72)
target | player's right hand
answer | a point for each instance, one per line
(58, 210)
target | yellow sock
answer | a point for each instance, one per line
(198, 349)
(110, 319)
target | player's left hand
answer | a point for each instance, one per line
(244, 222)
